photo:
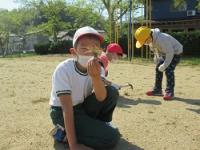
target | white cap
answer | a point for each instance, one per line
(86, 30)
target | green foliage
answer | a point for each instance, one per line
(60, 47)
(58, 15)
(77, 17)
(50, 13)
(198, 5)
(190, 61)
(177, 3)
(190, 41)
(42, 48)
(123, 42)
(20, 54)
(106, 42)
(16, 21)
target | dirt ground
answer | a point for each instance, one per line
(148, 123)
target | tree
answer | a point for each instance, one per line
(198, 5)
(77, 12)
(53, 16)
(4, 31)
(116, 9)
(178, 2)
(4, 39)
(49, 11)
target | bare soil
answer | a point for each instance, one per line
(148, 123)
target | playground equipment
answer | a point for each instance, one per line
(147, 5)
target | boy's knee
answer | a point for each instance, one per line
(111, 139)
(112, 93)
(108, 140)
(115, 136)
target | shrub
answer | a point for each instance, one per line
(190, 41)
(42, 48)
(61, 47)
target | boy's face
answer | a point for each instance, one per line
(113, 57)
(87, 45)
(148, 41)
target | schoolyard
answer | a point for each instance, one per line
(148, 123)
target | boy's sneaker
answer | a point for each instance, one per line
(58, 133)
(168, 96)
(154, 93)
(111, 124)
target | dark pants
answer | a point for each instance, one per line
(91, 119)
(169, 72)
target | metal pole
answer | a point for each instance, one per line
(110, 24)
(150, 16)
(142, 13)
(130, 28)
(147, 23)
(128, 35)
(133, 44)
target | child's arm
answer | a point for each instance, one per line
(169, 54)
(94, 71)
(67, 107)
(66, 103)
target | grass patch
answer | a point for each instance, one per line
(190, 61)
(19, 54)
(137, 60)
(186, 61)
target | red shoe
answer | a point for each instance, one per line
(168, 96)
(154, 93)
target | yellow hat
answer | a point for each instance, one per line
(141, 35)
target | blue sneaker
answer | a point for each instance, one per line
(58, 133)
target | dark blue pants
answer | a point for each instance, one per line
(169, 72)
(91, 119)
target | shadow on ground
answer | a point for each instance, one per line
(188, 100)
(41, 100)
(122, 145)
(125, 145)
(194, 110)
(60, 146)
(191, 102)
(126, 102)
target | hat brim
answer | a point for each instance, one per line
(139, 45)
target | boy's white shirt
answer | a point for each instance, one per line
(165, 45)
(67, 79)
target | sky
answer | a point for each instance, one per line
(8, 4)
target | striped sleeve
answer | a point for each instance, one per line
(63, 92)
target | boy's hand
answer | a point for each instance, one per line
(94, 68)
(161, 68)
